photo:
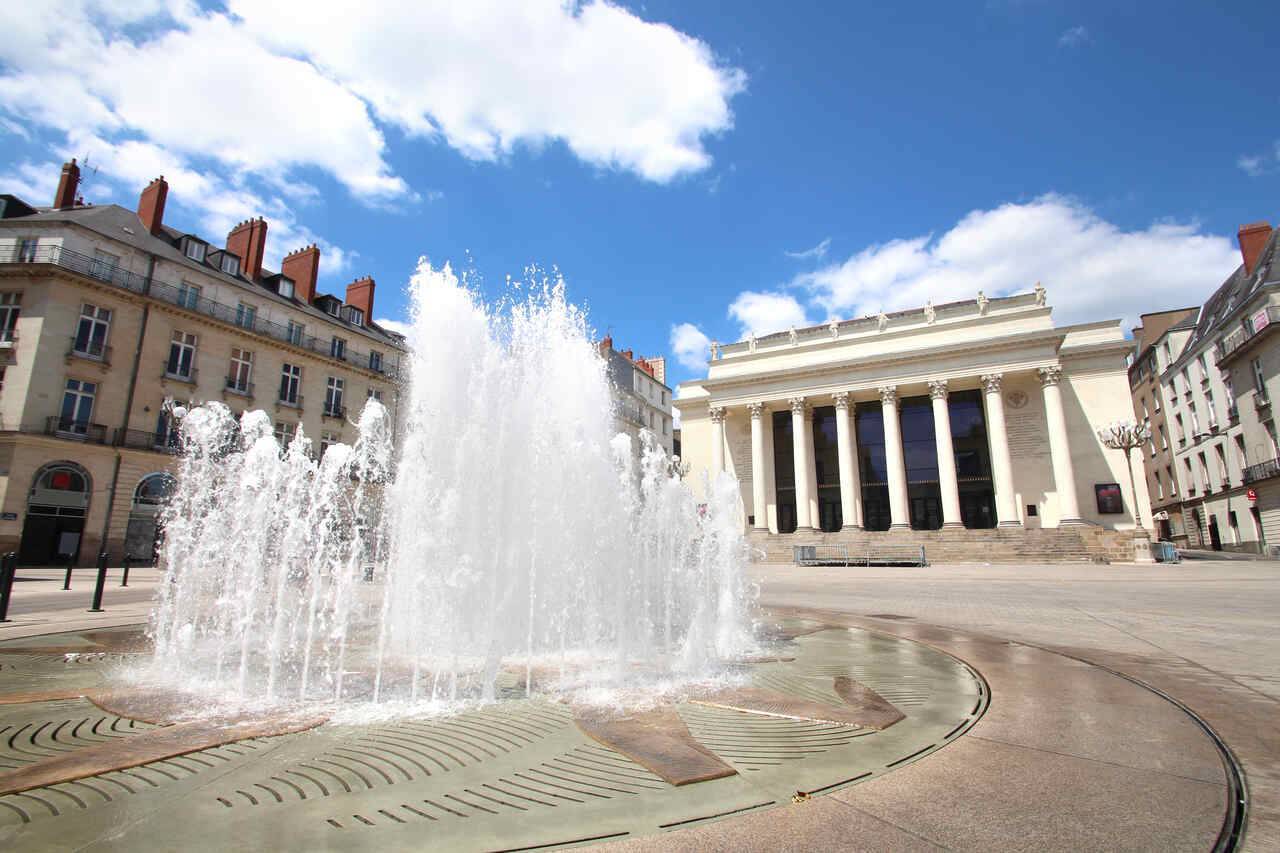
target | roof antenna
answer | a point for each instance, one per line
(87, 171)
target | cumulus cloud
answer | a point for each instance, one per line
(487, 75)
(1074, 37)
(763, 313)
(1093, 269)
(1257, 165)
(690, 346)
(400, 326)
(817, 252)
(31, 181)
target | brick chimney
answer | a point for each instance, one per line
(630, 354)
(151, 204)
(67, 186)
(1253, 239)
(249, 241)
(606, 344)
(360, 295)
(302, 266)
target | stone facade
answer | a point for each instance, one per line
(959, 421)
(106, 312)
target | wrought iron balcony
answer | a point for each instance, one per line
(91, 350)
(292, 401)
(1233, 342)
(1262, 471)
(161, 442)
(76, 430)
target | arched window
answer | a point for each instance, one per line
(152, 491)
(62, 478)
(60, 488)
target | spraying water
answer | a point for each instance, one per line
(513, 545)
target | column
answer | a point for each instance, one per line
(717, 440)
(850, 485)
(800, 453)
(758, 499)
(895, 464)
(1001, 464)
(1064, 475)
(811, 475)
(947, 481)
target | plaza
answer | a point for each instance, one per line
(1122, 699)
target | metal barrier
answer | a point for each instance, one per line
(1165, 552)
(871, 555)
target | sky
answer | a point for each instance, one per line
(695, 170)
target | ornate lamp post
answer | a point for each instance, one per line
(1127, 435)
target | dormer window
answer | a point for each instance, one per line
(355, 316)
(230, 264)
(195, 250)
(332, 307)
(285, 287)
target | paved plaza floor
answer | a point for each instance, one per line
(1107, 687)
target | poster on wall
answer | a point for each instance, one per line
(1110, 501)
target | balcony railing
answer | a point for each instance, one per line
(1242, 336)
(1262, 471)
(1260, 399)
(107, 273)
(92, 350)
(76, 429)
(293, 402)
(163, 442)
(177, 375)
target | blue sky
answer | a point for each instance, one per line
(695, 170)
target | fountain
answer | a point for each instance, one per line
(513, 545)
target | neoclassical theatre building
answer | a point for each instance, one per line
(969, 428)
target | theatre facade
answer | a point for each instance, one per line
(968, 427)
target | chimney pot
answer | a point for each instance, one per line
(1253, 239)
(151, 204)
(360, 295)
(248, 240)
(67, 185)
(302, 265)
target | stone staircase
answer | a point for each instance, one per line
(1075, 544)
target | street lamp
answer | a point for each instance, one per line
(1127, 435)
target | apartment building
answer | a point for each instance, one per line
(1248, 354)
(1202, 390)
(107, 313)
(642, 399)
(1162, 335)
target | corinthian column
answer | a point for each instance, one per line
(1001, 463)
(717, 439)
(1064, 475)
(811, 474)
(850, 487)
(758, 498)
(948, 483)
(800, 456)
(895, 464)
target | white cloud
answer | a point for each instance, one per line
(1257, 165)
(1092, 268)
(34, 183)
(817, 252)
(1074, 37)
(488, 75)
(690, 346)
(400, 326)
(763, 313)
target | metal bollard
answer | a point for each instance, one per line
(102, 582)
(8, 568)
(71, 564)
(124, 578)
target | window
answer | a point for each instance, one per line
(375, 361)
(666, 427)
(246, 316)
(1195, 420)
(284, 432)
(10, 307)
(104, 265)
(374, 394)
(1155, 400)
(285, 288)
(332, 306)
(1204, 367)
(188, 295)
(230, 264)
(1146, 415)
(167, 432)
(91, 334)
(1151, 446)
(26, 250)
(152, 491)
(333, 397)
(77, 406)
(1159, 486)
(356, 316)
(290, 379)
(1222, 464)
(238, 378)
(664, 397)
(1204, 472)
(1213, 411)
(1270, 427)
(182, 355)
(1244, 457)
(1168, 352)
(1182, 435)
(327, 440)
(1164, 439)
(1191, 477)
(1173, 481)
(295, 333)
(1259, 385)
(195, 250)
(338, 348)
